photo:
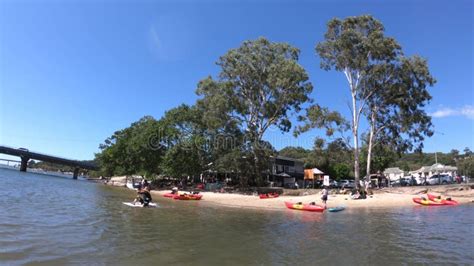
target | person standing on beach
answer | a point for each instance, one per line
(367, 186)
(324, 196)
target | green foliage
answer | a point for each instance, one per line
(321, 117)
(333, 158)
(398, 93)
(466, 166)
(353, 46)
(339, 171)
(295, 152)
(388, 89)
(259, 84)
(186, 142)
(382, 157)
(354, 43)
(467, 151)
(181, 160)
(135, 149)
(53, 167)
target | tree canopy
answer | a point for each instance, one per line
(258, 86)
(385, 87)
(261, 84)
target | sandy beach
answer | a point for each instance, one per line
(393, 197)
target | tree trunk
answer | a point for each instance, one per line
(257, 169)
(371, 137)
(256, 154)
(355, 132)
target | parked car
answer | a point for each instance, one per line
(333, 184)
(346, 183)
(316, 184)
(402, 182)
(439, 179)
(412, 181)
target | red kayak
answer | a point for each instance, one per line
(269, 195)
(446, 201)
(188, 197)
(304, 207)
(427, 202)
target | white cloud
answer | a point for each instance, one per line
(171, 38)
(467, 111)
(444, 112)
(154, 37)
(155, 43)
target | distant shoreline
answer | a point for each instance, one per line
(385, 198)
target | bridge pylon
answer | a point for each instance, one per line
(24, 163)
(76, 173)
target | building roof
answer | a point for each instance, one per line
(316, 171)
(393, 170)
(440, 167)
(288, 159)
(283, 175)
(435, 167)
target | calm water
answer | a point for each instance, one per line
(47, 220)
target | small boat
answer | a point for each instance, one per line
(269, 195)
(447, 201)
(188, 197)
(427, 202)
(337, 209)
(304, 207)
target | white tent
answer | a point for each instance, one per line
(316, 171)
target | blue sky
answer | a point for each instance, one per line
(73, 72)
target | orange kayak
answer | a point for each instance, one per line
(441, 200)
(269, 195)
(188, 197)
(427, 202)
(304, 207)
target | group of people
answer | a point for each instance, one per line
(355, 194)
(358, 194)
(143, 194)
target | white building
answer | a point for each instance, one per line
(437, 168)
(394, 173)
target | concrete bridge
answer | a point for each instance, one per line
(26, 155)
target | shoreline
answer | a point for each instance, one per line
(385, 198)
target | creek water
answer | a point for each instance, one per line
(51, 220)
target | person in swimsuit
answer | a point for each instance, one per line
(324, 196)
